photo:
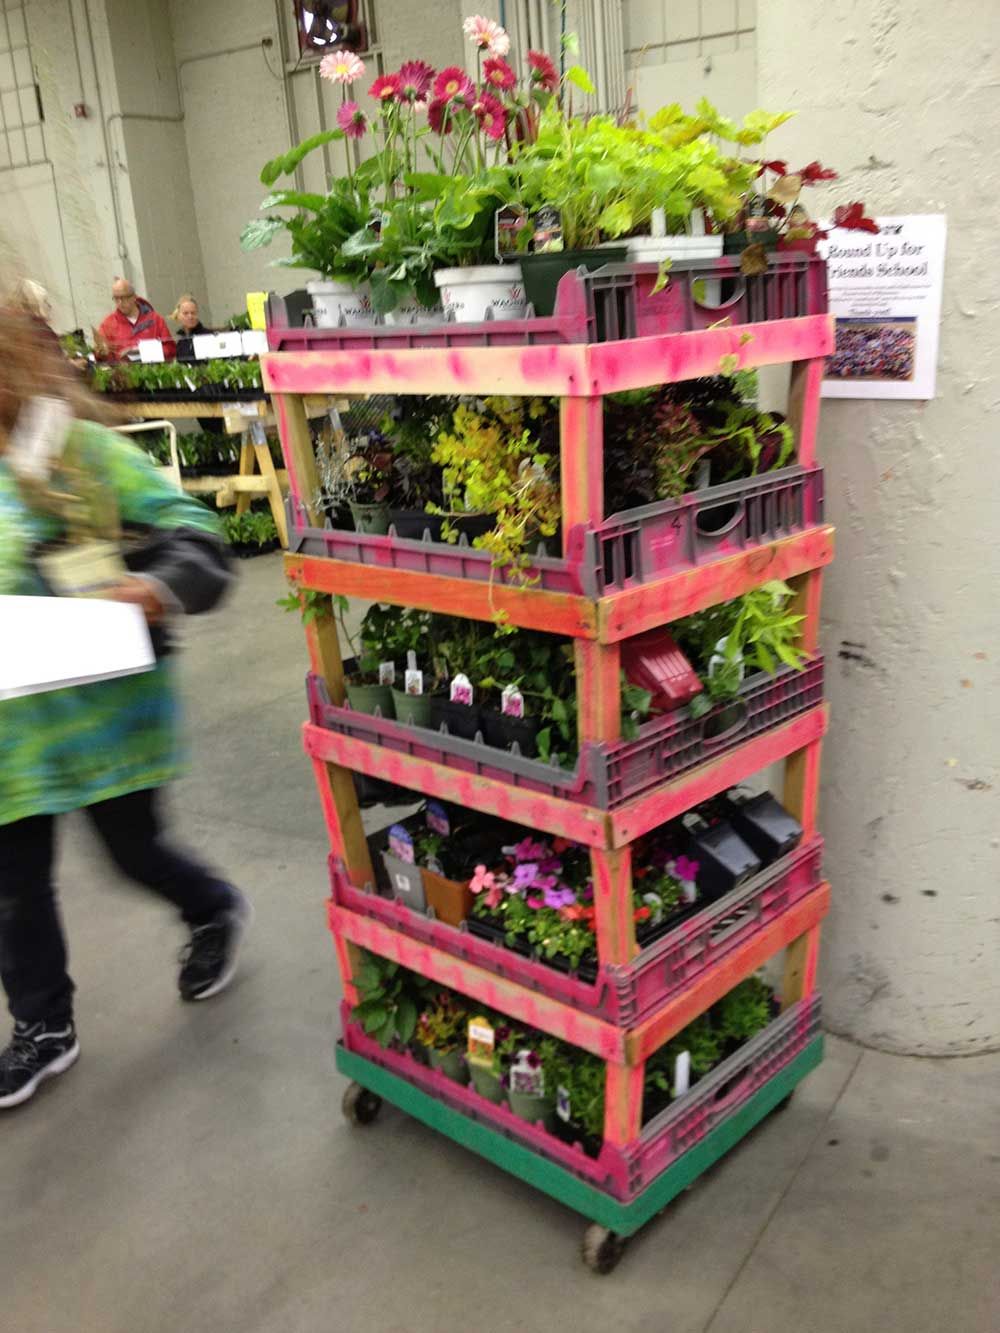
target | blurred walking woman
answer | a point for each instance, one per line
(105, 747)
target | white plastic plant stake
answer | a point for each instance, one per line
(512, 702)
(461, 690)
(414, 679)
(387, 673)
(682, 1073)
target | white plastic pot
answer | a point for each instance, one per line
(411, 312)
(468, 293)
(340, 304)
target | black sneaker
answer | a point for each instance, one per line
(208, 961)
(37, 1051)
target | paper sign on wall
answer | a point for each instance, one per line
(885, 293)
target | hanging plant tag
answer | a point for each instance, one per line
(481, 1041)
(563, 1109)
(401, 844)
(414, 682)
(512, 702)
(682, 1073)
(507, 224)
(461, 690)
(548, 237)
(527, 1074)
(387, 673)
(437, 819)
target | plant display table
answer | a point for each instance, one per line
(616, 577)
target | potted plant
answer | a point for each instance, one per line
(412, 426)
(482, 1035)
(389, 1000)
(369, 674)
(441, 1030)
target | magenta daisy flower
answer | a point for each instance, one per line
(491, 115)
(498, 74)
(439, 117)
(385, 87)
(454, 85)
(543, 72)
(487, 34)
(352, 120)
(415, 78)
(341, 67)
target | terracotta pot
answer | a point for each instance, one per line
(450, 898)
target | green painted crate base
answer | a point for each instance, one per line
(623, 1218)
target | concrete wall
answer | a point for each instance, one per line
(903, 99)
(680, 50)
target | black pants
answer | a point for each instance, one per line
(32, 946)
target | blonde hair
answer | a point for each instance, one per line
(32, 298)
(180, 301)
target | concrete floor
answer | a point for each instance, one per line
(193, 1172)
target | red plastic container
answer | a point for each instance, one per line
(655, 663)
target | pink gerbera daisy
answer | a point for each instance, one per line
(498, 74)
(352, 120)
(439, 117)
(415, 78)
(487, 34)
(453, 85)
(543, 72)
(491, 116)
(385, 87)
(341, 67)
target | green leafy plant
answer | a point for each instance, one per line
(184, 377)
(390, 999)
(744, 1012)
(249, 529)
(322, 226)
(441, 1024)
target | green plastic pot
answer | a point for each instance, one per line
(531, 1108)
(413, 709)
(485, 1082)
(366, 698)
(373, 519)
(543, 272)
(451, 1064)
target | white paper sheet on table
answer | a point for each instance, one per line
(47, 643)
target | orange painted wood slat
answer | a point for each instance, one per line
(530, 608)
(581, 456)
(533, 809)
(591, 1034)
(613, 920)
(648, 812)
(800, 795)
(598, 691)
(801, 965)
(650, 605)
(685, 1007)
(639, 363)
(803, 407)
(623, 1104)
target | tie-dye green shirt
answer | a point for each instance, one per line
(68, 748)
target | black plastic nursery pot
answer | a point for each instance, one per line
(735, 242)
(724, 859)
(765, 825)
(416, 524)
(461, 719)
(471, 525)
(542, 272)
(503, 731)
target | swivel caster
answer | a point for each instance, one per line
(601, 1248)
(360, 1106)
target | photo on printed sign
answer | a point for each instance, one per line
(874, 349)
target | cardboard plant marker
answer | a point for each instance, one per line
(401, 844)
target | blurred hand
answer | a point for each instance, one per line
(140, 593)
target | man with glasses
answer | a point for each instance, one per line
(132, 320)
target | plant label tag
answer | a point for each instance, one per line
(527, 1075)
(512, 702)
(689, 889)
(414, 681)
(205, 346)
(387, 673)
(461, 690)
(257, 432)
(507, 224)
(563, 1108)
(437, 819)
(401, 844)
(253, 342)
(481, 1041)
(190, 383)
(150, 351)
(548, 237)
(682, 1073)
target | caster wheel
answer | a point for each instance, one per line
(785, 1102)
(360, 1106)
(601, 1248)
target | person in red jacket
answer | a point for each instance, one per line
(132, 320)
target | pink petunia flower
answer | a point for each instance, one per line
(685, 868)
(527, 850)
(385, 87)
(415, 78)
(454, 85)
(543, 72)
(524, 875)
(487, 34)
(561, 897)
(498, 74)
(439, 116)
(341, 67)
(535, 903)
(482, 879)
(352, 120)
(492, 116)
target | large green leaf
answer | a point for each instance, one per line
(286, 163)
(260, 232)
(578, 76)
(294, 199)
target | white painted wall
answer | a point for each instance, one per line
(680, 50)
(903, 99)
